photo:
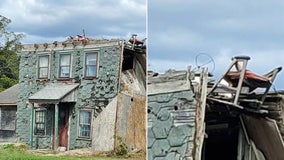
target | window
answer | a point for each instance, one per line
(91, 65)
(64, 66)
(85, 123)
(8, 118)
(39, 128)
(43, 66)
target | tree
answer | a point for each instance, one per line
(9, 62)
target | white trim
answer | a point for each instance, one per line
(97, 62)
(91, 128)
(70, 65)
(49, 64)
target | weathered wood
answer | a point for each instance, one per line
(200, 116)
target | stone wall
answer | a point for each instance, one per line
(171, 125)
(93, 94)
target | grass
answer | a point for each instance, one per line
(20, 152)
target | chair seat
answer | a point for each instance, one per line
(251, 80)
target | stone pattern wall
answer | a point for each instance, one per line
(171, 125)
(27, 87)
(93, 94)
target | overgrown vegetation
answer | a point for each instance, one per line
(21, 152)
(9, 62)
(121, 149)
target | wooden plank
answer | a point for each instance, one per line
(200, 115)
(266, 136)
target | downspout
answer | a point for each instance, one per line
(32, 126)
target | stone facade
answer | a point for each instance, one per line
(171, 123)
(91, 94)
(171, 118)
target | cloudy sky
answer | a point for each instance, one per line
(180, 30)
(50, 20)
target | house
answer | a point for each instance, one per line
(191, 116)
(8, 110)
(68, 92)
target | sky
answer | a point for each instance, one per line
(185, 33)
(180, 33)
(46, 21)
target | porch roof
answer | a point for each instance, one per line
(55, 93)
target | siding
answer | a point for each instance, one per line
(171, 125)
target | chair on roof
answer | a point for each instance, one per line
(240, 79)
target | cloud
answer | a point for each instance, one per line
(62, 18)
(180, 30)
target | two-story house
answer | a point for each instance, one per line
(65, 86)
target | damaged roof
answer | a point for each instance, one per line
(170, 81)
(70, 44)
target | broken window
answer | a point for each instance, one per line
(64, 66)
(91, 65)
(85, 123)
(43, 66)
(39, 128)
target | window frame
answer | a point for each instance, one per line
(47, 67)
(95, 65)
(90, 125)
(42, 121)
(70, 65)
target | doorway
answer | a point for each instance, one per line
(221, 142)
(63, 125)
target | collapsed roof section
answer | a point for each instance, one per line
(238, 113)
(239, 103)
(134, 49)
(238, 86)
(133, 44)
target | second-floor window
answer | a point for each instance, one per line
(43, 66)
(64, 66)
(91, 65)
